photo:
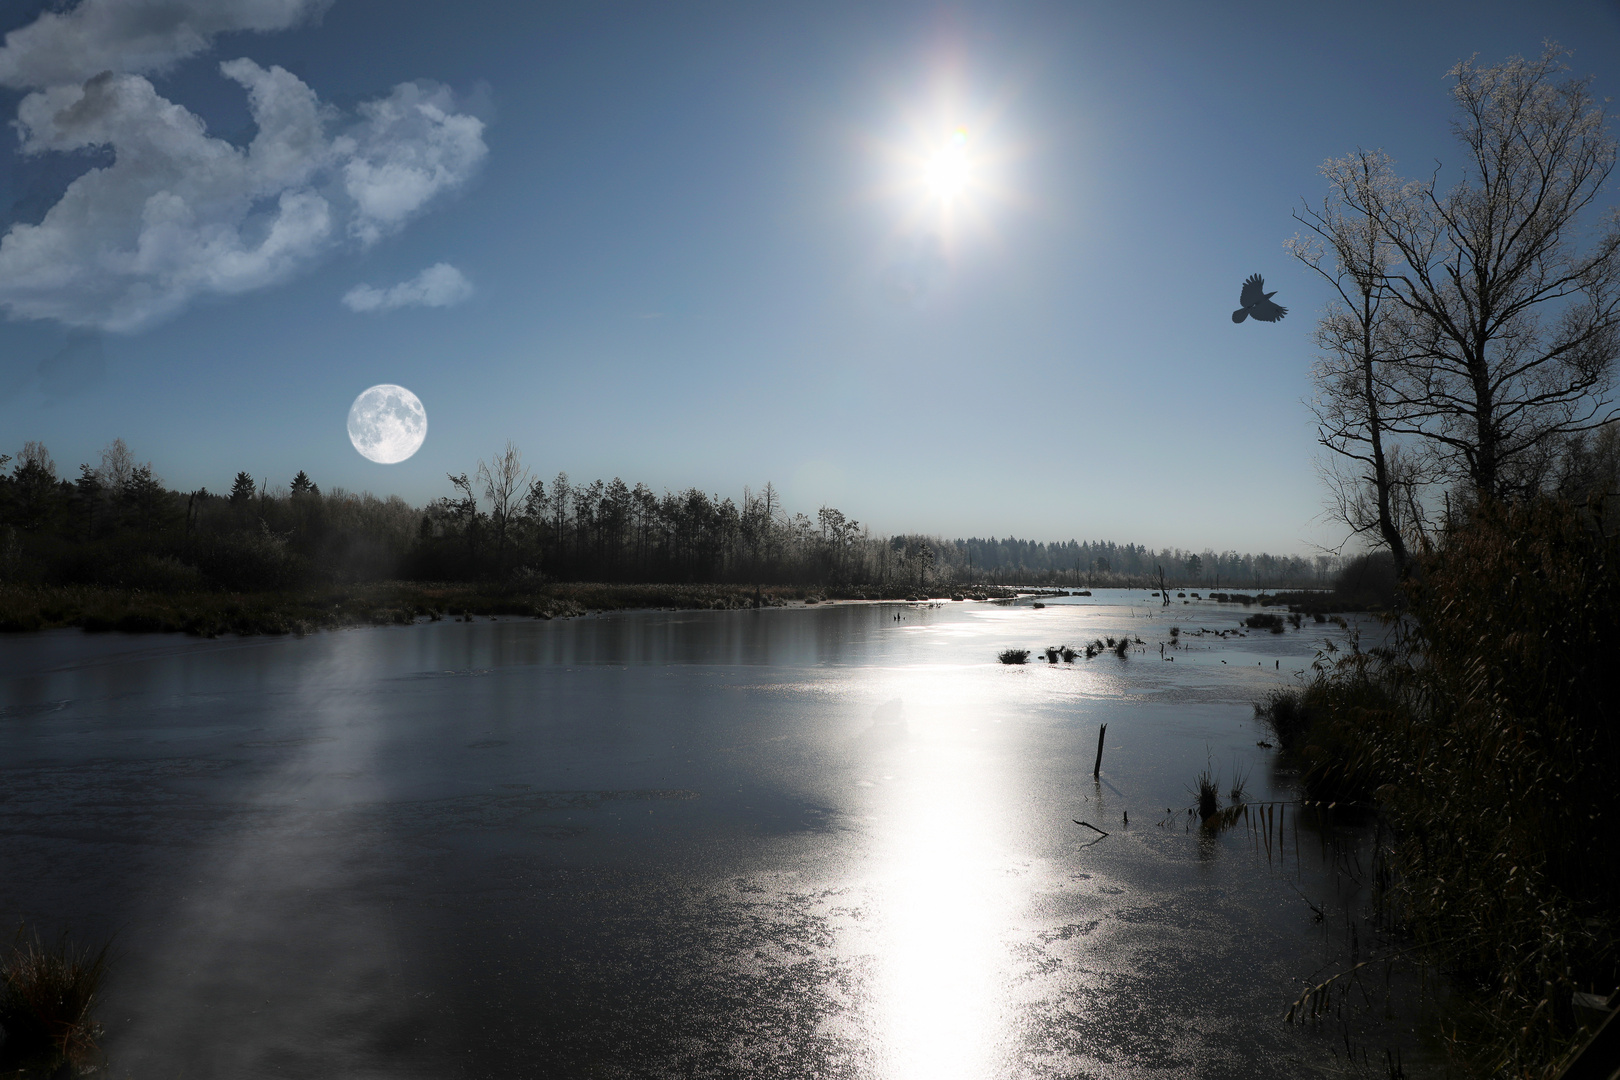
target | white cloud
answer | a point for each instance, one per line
(133, 36)
(178, 213)
(440, 285)
(411, 147)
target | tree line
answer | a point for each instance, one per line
(115, 524)
(1094, 562)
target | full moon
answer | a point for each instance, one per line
(387, 423)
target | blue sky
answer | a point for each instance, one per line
(690, 245)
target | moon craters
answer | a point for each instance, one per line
(387, 423)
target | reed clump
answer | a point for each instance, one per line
(1486, 740)
(1207, 794)
(1329, 727)
(1239, 791)
(1013, 656)
(47, 992)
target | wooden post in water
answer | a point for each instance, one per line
(1096, 770)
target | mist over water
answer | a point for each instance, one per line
(814, 841)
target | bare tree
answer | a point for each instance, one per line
(33, 487)
(1515, 326)
(117, 466)
(505, 482)
(35, 455)
(1362, 341)
(838, 534)
(462, 515)
(1589, 466)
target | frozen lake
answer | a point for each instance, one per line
(799, 842)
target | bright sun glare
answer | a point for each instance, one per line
(946, 167)
(948, 171)
(948, 176)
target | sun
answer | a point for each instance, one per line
(947, 165)
(948, 171)
(947, 175)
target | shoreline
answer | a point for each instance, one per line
(28, 608)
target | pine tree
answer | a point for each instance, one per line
(146, 497)
(88, 490)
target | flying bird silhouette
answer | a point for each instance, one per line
(1257, 302)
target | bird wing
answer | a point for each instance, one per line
(1267, 311)
(1254, 291)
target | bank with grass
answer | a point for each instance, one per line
(1484, 742)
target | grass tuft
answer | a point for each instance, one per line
(1239, 790)
(1207, 791)
(47, 992)
(1014, 656)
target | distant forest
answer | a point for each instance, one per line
(116, 525)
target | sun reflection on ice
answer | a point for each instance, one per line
(945, 901)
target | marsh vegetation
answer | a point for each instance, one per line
(1464, 381)
(48, 990)
(1482, 740)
